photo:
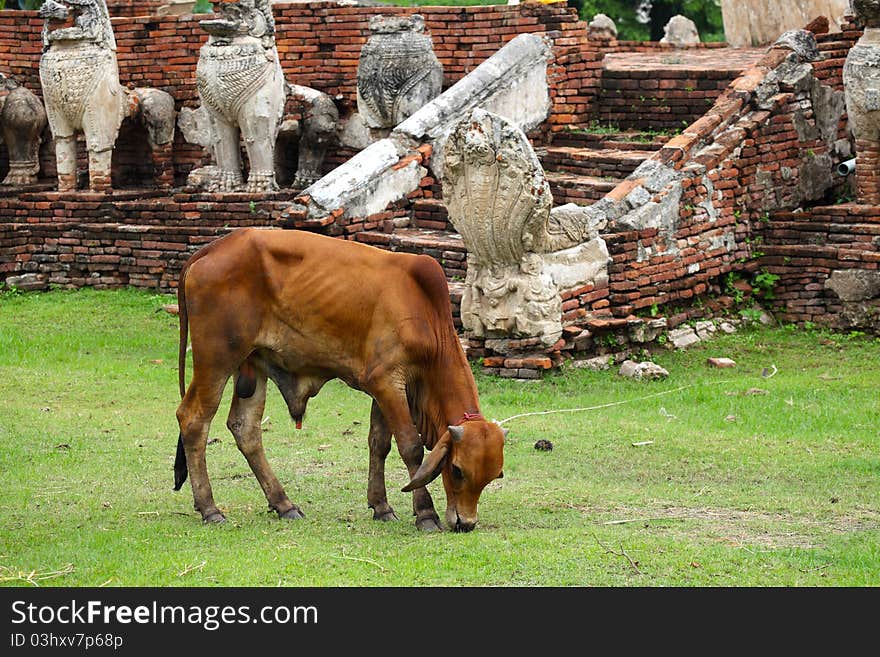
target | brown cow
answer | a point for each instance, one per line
(301, 309)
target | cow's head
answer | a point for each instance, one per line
(469, 456)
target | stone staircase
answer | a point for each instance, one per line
(580, 166)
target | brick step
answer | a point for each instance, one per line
(616, 163)
(821, 233)
(624, 140)
(445, 247)
(430, 213)
(820, 218)
(573, 188)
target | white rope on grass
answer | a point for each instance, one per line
(610, 404)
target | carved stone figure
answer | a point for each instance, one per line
(680, 31)
(80, 79)
(602, 28)
(22, 121)
(316, 132)
(398, 72)
(861, 81)
(312, 134)
(520, 254)
(241, 86)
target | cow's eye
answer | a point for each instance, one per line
(456, 472)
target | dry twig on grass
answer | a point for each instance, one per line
(188, 569)
(621, 553)
(34, 577)
(369, 561)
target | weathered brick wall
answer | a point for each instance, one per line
(665, 100)
(133, 238)
(738, 164)
(805, 248)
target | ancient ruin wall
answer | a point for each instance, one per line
(688, 216)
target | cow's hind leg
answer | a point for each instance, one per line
(380, 445)
(194, 414)
(393, 404)
(244, 422)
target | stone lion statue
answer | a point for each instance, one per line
(81, 90)
(242, 89)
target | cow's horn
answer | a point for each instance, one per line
(431, 466)
(456, 432)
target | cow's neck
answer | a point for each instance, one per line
(452, 395)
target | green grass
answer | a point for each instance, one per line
(735, 489)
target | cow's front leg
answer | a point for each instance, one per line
(380, 445)
(244, 422)
(394, 406)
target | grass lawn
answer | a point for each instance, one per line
(747, 480)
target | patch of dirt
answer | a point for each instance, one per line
(741, 528)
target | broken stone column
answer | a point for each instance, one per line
(861, 80)
(241, 87)
(680, 31)
(398, 72)
(22, 121)
(521, 256)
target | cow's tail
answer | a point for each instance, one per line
(180, 469)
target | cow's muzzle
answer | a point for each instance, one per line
(463, 527)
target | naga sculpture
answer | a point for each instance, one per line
(398, 71)
(861, 81)
(22, 121)
(521, 255)
(80, 79)
(241, 87)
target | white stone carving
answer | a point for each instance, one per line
(512, 83)
(861, 81)
(81, 90)
(80, 79)
(241, 87)
(520, 254)
(602, 28)
(398, 72)
(680, 31)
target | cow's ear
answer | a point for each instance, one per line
(431, 466)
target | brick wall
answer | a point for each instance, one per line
(124, 238)
(738, 164)
(658, 100)
(804, 248)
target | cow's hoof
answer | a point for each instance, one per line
(293, 513)
(214, 518)
(429, 525)
(385, 516)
